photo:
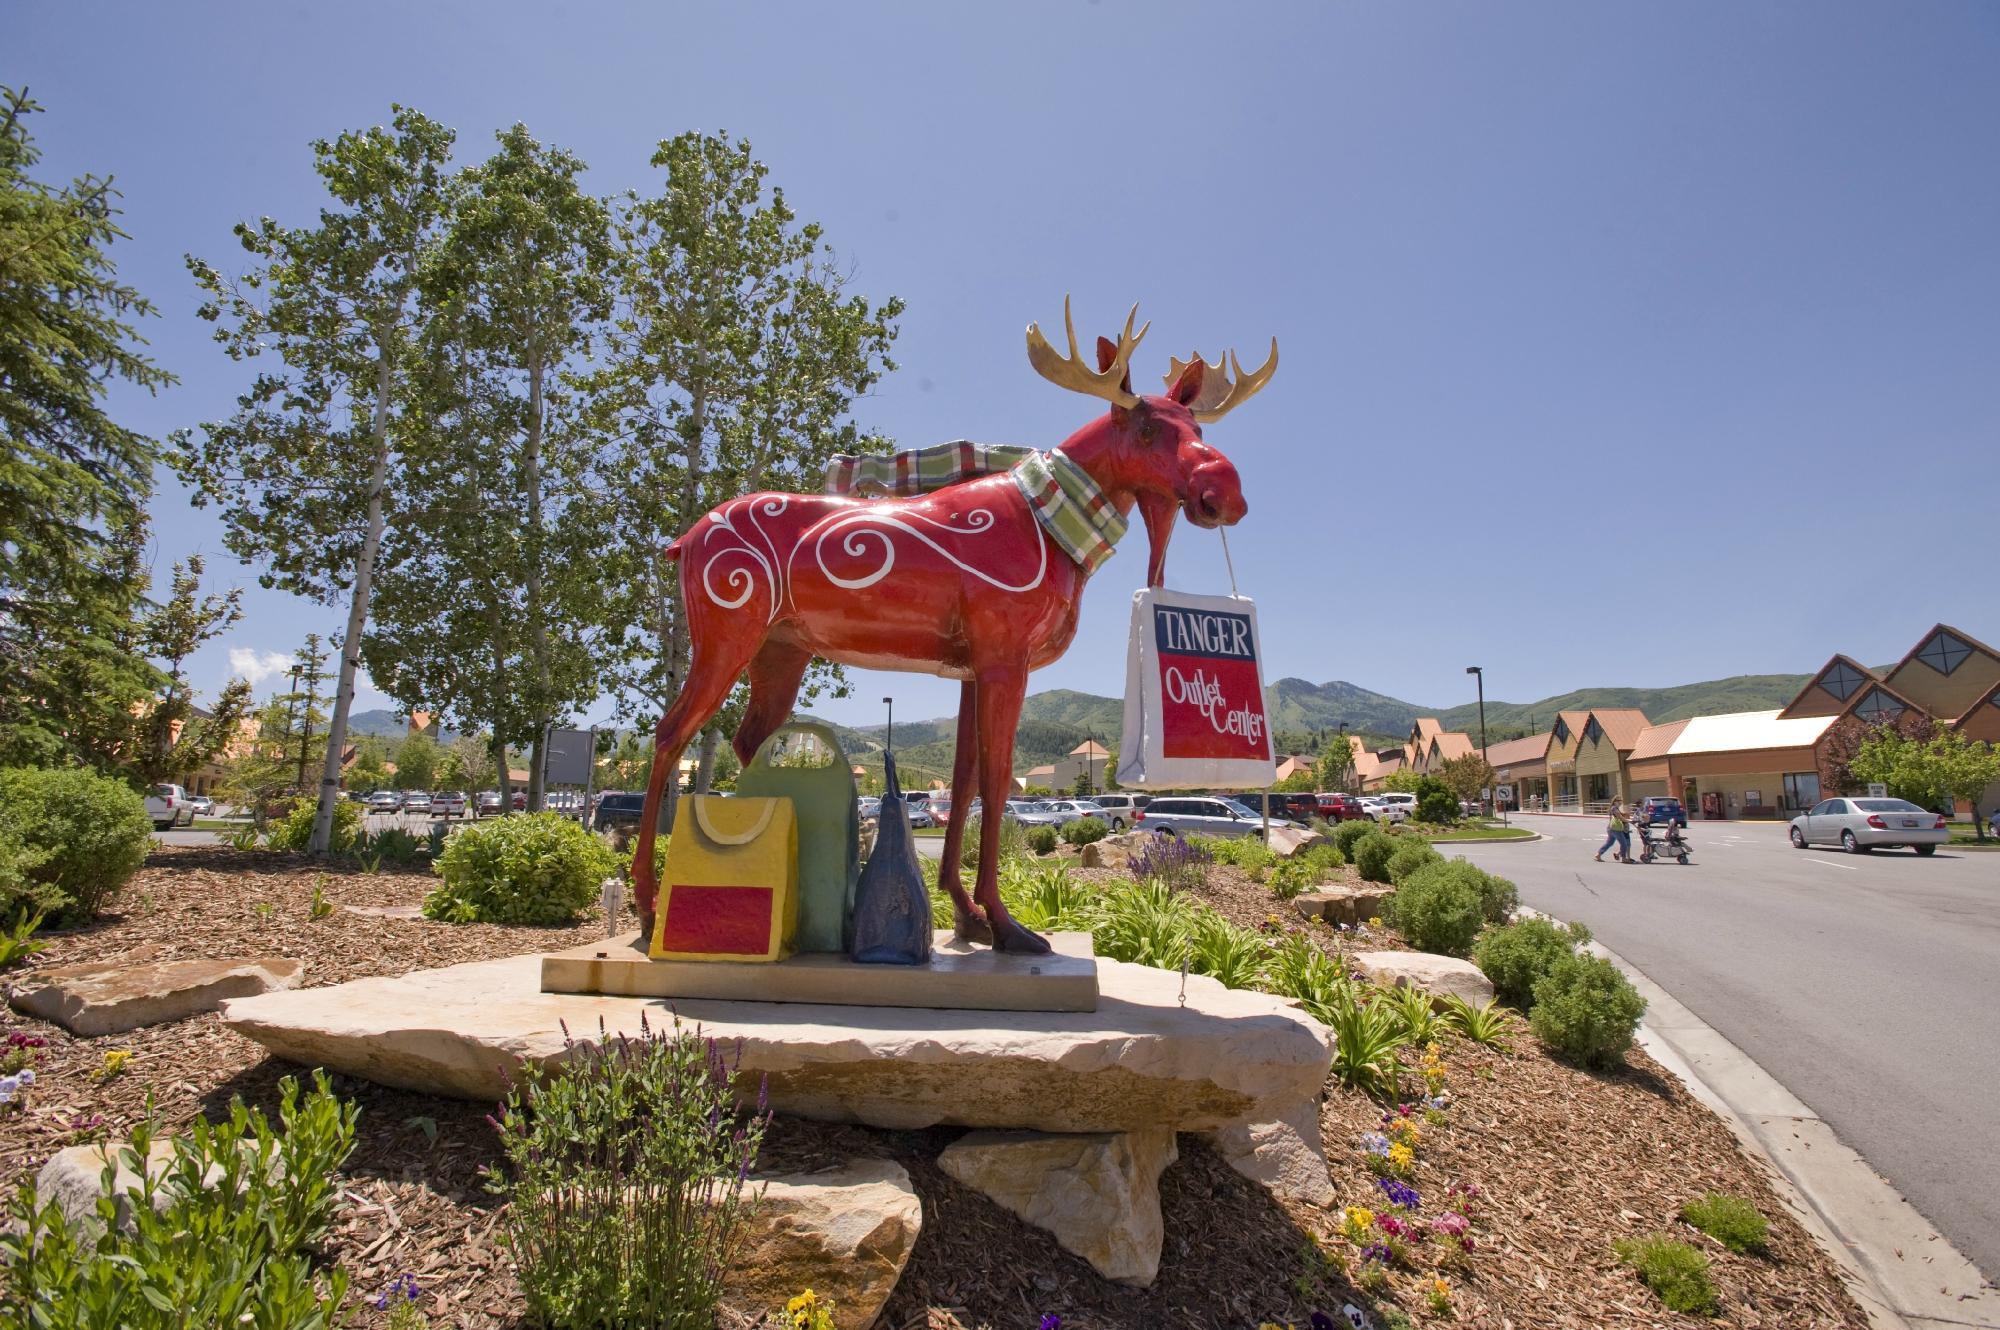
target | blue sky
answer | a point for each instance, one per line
(1622, 345)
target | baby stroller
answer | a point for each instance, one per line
(1670, 843)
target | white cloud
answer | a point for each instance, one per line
(257, 666)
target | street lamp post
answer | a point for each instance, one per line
(889, 734)
(1479, 674)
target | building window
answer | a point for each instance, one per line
(1593, 732)
(1562, 730)
(1801, 790)
(1878, 707)
(1841, 681)
(1943, 653)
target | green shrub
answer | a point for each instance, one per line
(617, 1215)
(69, 839)
(1299, 968)
(1013, 841)
(1246, 852)
(1292, 878)
(1586, 1011)
(1324, 860)
(1435, 802)
(530, 868)
(238, 1208)
(17, 945)
(1486, 1024)
(393, 844)
(1516, 956)
(293, 831)
(1371, 856)
(1085, 830)
(1498, 897)
(1672, 1269)
(1731, 1221)
(1347, 833)
(1365, 1039)
(1409, 855)
(1437, 908)
(1043, 897)
(1222, 951)
(1146, 923)
(1042, 840)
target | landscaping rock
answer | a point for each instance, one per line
(1097, 1193)
(1287, 1157)
(386, 911)
(845, 1234)
(74, 1179)
(1436, 974)
(1140, 1060)
(1090, 856)
(1344, 905)
(111, 997)
(1288, 841)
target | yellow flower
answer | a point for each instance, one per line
(1375, 921)
(114, 1062)
(1402, 1156)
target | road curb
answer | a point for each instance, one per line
(1528, 839)
(1903, 1272)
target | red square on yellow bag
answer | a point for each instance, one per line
(730, 891)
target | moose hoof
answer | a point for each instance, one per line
(1010, 936)
(645, 927)
(971, 928)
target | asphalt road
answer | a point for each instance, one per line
(1869, 985)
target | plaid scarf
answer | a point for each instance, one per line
(1078, 515)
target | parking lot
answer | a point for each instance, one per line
(1865, 983)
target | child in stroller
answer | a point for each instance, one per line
(1670, 843)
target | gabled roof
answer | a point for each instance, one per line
(1574, 719)
(1739, 731)
(1656, 740)
(1621, 725)
(1861, 698)
(1848, 677)
(1967, 638)
(1088, 748)
(1451, 744)
(1426, 726)
(1513, 752)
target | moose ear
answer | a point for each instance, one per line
(1188, 386)
(1107, 351)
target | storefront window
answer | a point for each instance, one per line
(1801, 790)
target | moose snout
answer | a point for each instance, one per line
(1218, 506)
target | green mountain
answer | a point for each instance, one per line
(1744, 692)
(1054, 722)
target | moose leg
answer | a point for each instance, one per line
(968, 924)
(1000, 696)
(710, 676)
(775, 675)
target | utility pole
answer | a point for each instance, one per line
(1480, 675)
(889, 732)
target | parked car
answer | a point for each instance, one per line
(488, 804)
(616, 808)
(1210, 816)
(417, 801)
(1293, 805)
(567, 802)
(447, 803)
(1118, 808)
(385, 801)
(169, 807)
(1398, 806)
(1034, 813)
(201, 804)
(1338, 807)
(867, 807)
(1074, 810)
(1655, 809)
(1860, 825)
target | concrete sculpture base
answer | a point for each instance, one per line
(960, 976)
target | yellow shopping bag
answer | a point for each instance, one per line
(730, 891)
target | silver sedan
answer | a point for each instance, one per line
(1860, 825)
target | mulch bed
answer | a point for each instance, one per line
(1567, 1160)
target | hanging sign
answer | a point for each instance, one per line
(1194, 695)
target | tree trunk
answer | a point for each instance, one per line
(357, 612)
(502, 780)
(538, 628)
(704, 772)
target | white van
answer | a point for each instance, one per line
(169, 807)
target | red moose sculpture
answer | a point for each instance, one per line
(979, 581)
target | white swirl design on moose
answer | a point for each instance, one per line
(856, 544)
(740, 580)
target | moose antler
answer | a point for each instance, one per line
(1220, 394)
(1072, 373)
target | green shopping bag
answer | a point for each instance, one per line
(829, 833)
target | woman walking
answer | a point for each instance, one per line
(1617, 835)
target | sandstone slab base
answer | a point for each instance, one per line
(1434, 974)
(1140, 1060)
(960, 976)
(1343, 905)
(1098, 1194)
(845, 1234)
(111, 997)
(1288, 1157)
